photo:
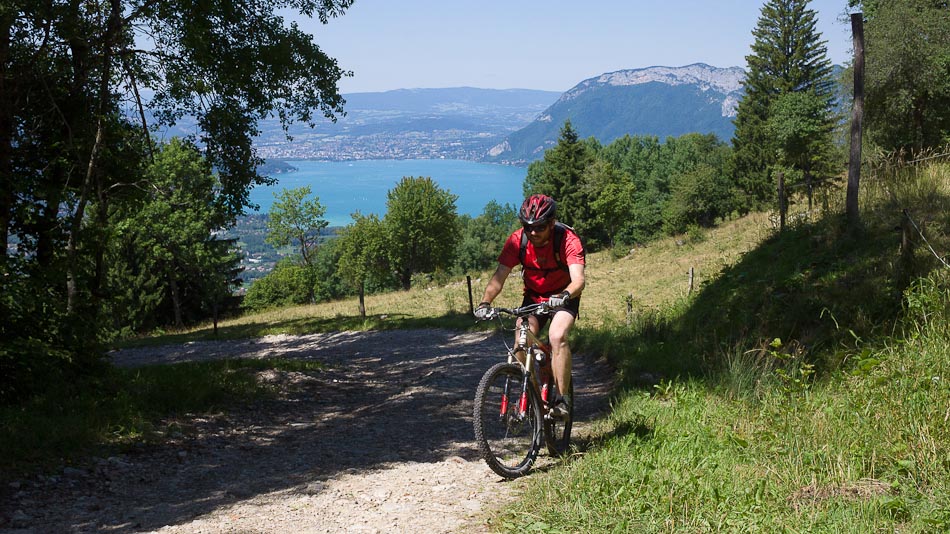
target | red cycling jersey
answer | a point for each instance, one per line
(542, 275)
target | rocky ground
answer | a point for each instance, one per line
(379, 441)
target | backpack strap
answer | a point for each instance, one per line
(557, 240)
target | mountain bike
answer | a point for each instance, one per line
(514, 399)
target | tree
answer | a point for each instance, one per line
(799, 127)
(362, 248)
(788, 56)
(483, 237)
(288, 284)
(422, 228)
(907, 73)
(167, 257)
(559, 176)
(295, 220)
(698, 196)
(75, 131)
(644, 160)
(613, 198)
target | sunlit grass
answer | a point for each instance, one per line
(656, 275)
(751, 436)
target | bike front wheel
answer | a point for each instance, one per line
(508, 429)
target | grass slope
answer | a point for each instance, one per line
(804, 389)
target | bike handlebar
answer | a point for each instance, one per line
(541, 308)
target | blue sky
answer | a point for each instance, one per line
(538, 44)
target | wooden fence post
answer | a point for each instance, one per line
(782, 205)
(691, 274)
(471, 303)
(629, 300)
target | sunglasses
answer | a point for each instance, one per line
(538, 228)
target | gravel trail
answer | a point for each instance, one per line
(379, 441)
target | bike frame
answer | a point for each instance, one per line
(527, 340)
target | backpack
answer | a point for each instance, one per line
(557, 239)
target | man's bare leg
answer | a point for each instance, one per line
(561, 352)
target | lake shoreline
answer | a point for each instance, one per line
(345, 187)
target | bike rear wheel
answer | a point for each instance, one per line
(508, 438)
(557, 432)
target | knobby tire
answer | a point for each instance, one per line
(508, 443)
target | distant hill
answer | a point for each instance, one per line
(661, 101)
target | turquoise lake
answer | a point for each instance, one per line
(344, 187)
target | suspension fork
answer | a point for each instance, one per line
(523, 400)
(523, 346)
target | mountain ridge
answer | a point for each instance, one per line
(659, 100)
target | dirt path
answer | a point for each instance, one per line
(380, 441)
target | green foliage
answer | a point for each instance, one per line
(612, 197)
(362, 249)
(288, 284)
(635, 188)
(33, 353)
(482, 237)
(907, 74)
(698, 197)
(81, 174)
(421, 226)
(167, 266)
(329, 283)
(294, 220)
(787, 57)
(682, 182)
(124, 406)
(798, 123)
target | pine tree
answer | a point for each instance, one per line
(788, 56)
(559, 176)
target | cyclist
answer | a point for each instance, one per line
(552, 260)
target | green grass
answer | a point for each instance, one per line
(804, 389)
(124, 407)
(865, 450)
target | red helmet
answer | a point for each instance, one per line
(537, 209)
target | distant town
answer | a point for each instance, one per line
(445, 144)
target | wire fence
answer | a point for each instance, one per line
(929, 246)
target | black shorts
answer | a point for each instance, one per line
(572, 306)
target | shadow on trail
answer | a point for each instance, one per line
(385, 397)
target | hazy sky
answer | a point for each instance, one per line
(543, 44)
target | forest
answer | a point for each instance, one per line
(109, 234)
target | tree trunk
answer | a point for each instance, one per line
(809, 184)
(7, 89)
(90, 182)
(857, 116)
(176, 298)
